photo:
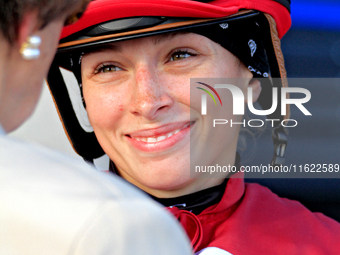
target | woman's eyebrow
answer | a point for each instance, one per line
(103, 48)
(159, 38)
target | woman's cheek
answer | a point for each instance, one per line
(104, 108)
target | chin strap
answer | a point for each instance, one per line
(89, 161)
(280, 139)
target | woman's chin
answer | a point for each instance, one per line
(166, 186)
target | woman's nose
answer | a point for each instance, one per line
(150, 97)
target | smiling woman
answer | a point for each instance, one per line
(133, 66)
(148, 81)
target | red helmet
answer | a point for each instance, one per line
(107, 21)
(100, 11)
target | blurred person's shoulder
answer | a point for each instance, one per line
(23, 161)
(71, 207)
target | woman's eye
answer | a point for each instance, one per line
(107, 69)
(180, 55)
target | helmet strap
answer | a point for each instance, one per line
(280, 139)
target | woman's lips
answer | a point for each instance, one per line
(160, 139)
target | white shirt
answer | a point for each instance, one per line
(52, 204)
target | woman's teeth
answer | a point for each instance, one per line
(157, 139)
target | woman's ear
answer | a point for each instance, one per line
(255, 84)
(27, 27)
(28, 38)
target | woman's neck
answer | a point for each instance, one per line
(192, 186)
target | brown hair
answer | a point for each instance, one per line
(12, 12)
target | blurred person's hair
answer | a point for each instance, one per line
(12, 13)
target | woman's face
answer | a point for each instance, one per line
(137, 96)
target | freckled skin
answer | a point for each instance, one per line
(150, 89)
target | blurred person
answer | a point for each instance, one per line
(133, 69)
(52, 204)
